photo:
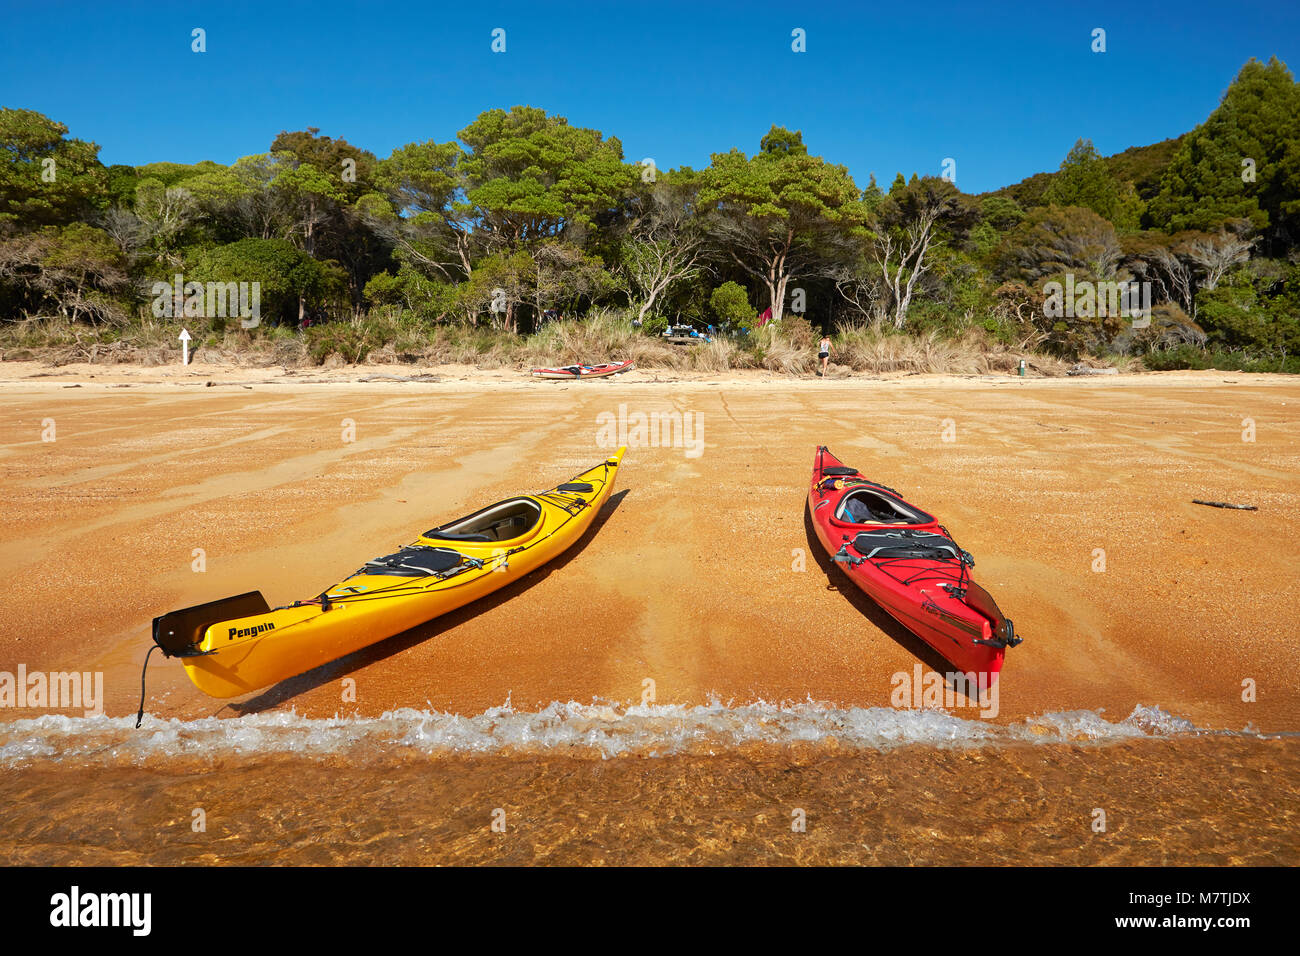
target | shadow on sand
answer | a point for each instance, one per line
(872, 611)
(337, 669)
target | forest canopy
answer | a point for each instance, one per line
(523, 219)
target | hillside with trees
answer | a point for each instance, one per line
(522, 234)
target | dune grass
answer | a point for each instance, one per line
(396, 337)
(866, 349)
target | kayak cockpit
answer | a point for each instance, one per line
(503, 521)
(868, 506)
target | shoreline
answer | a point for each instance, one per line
(86, 374)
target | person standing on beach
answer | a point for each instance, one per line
(824, 353)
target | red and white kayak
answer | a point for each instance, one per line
(584, 371)
(908, 563)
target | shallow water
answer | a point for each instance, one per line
(598, 784)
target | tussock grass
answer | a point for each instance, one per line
(602, 336)
(397, 337)
(866, 349)
(1124, 363)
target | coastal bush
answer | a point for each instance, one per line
(384, 288)
(654, 325)
(798, 331)
(349, 343)
(730, 304)
(1191, 357)
(516, 233)
(285, 274)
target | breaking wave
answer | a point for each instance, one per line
(561, 729)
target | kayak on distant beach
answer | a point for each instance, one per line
(584, 371)
(239, 644)
(909, 564)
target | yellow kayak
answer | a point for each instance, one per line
(239, 644)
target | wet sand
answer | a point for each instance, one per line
(702, 575)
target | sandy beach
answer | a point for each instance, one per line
(702, 576)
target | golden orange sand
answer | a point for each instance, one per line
(703, 575)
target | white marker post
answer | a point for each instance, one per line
(185, 346)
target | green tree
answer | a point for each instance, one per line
(121, 185)
(500, 284)
(998, 213)
(663, 244)
(350, 166)
(422, 215)
(782, 142)
(530, 177)
(384, 288)
(165, 215)
(1254, 134)
(76, 271)
(322, 182)
(730, 303)
(1051, 245)
(872, 196)
(1253, 311)
(1059, 239)
(1084, 180)
(564, 277)
(46, 178)
(311, 192)
(288, 278)
(913, 222)
(776, 214)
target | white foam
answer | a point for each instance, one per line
(588, 729)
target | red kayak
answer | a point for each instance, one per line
(909, 564)
(584, 371)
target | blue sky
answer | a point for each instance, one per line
(1004, 89)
